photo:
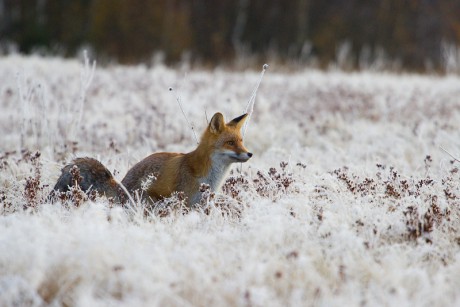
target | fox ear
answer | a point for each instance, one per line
(217, 123)
(238, 121)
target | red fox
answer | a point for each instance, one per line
(221, 145)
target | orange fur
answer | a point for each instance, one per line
(185, 172)
(161, 174)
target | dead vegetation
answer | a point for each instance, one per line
(366, 200)
(424, 204)
(418, 199)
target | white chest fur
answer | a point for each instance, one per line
(215, 177)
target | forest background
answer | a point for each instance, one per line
(410, 35)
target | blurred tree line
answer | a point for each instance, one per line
(215, 31)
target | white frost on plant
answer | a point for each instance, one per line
(250, 106)
(331, 228)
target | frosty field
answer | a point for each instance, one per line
(348, 199)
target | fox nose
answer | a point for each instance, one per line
(249, 154)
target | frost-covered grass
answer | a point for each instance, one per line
(347, 201)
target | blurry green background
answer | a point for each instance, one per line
(413, 35)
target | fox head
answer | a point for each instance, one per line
(226, 139)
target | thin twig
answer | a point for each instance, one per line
(86, 77)
(179, 101)
(250, 106)
(130, 198)
(452, 156)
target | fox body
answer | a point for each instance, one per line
(161, 174)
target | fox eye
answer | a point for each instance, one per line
(231, 143)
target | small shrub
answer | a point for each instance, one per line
(33, 188)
